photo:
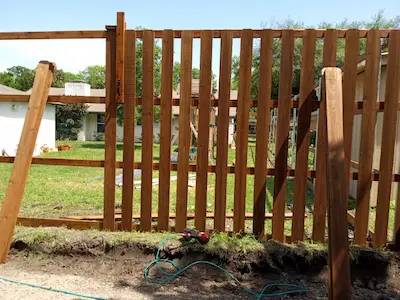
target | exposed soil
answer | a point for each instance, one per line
(117, 273)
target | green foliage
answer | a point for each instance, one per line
(69, 120)
(95, 76)
(18, 77)
(195, 73)
(61, 77)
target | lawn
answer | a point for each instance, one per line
(55, 191)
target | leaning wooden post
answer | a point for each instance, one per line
(19, 174)
(339, 267)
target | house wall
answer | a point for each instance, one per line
(12, 117)
(355, 153)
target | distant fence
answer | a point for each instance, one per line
(120, 87)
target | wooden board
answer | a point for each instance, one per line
(338, 247)
(282, 135)
(303, 134)
(262, 132)
(26, 146)
(165, 128)
(242, 129)
(224, 90)
(120, 55)
(110, 132)
(53, 222)
(203, 129)
(129, 131)
(45, 35)
(320, 202)
(371, 75)
(184, 130)
(392, 99)
(349, 94)
(173, 216)
(147, 129)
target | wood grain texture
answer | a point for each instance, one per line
(224, 90)
(203, 129)
(262, 132)
(45, 35)
(19, 174)
(349, 94)
(392, 99)
(110, 132)
(147, 129)
(367, 136)
(242, 129)
(129, 130)
(320, 202)
(303, 134)
(53, 222)
(120, 55)
(184, 130)
(282, 135)
(165, 128)
(339, 262)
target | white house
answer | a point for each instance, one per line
(12, 117)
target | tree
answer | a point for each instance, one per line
(61, 77)
(377, 21)
(69, 120)
(94, 75)
(18, 77)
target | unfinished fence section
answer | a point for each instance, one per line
(362, 54)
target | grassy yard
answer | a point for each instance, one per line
(54, 191)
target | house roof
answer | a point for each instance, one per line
(8, 90)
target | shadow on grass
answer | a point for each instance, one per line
(98, 145)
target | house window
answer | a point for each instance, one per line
(101, 122)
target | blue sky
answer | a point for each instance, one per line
(75, 55)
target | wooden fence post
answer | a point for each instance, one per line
(19, 174)
(110, 131)
(339, 265)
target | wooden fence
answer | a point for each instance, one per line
(121, 89)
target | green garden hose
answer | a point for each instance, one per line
(293, 288)
(51, 289)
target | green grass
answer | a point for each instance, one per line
(54, 191)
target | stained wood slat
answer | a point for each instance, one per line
(165, 128)
(242, 129)
(320, 202)
(110, 132)
(367, 136)
(392, 99)
(303, 134)
(282, 135)
(120, 54)
(45, 35)
(339, 265)
(184, 130)
(147, 129)
(262, 132)
(129, 130)
(19, 174)
(222, 133)
(203, 129)
(349, 94)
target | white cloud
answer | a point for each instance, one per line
(69, 55)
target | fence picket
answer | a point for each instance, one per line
(204, 129)
(282, 135)
(367, 136)
(262, 132)
(184, 129)
(303, 133)
(349, 94)
(129, 130)
(392, 99)
(110, 139)
(147, 129)
(242, 131)
(165, 129)
(320, 194)
(222, 132)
